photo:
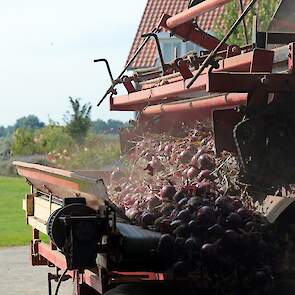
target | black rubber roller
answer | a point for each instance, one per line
(56, 229)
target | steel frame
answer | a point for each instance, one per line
(190, 32)
(262, 39)
(176, 89)
(160, 118)
(247, 82)
(98, 279)
(256, 80)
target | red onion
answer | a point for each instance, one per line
(167, 192)
(201, 151)
(192, 173)
(167, 149)
(202, 188)
(184, 157)
(205, 162)
(147, 218)
(194, 161)
(204, 174)
(184, 173)
(154, 202)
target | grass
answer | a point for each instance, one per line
(13, 228)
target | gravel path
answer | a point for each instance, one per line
(18, 277)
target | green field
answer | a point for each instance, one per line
(13, 228)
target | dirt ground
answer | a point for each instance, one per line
(18, 277)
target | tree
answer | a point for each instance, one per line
(6, 131)
(264, 9)
(9, 130)
(78, 120)
(99, 126)
(114, 125)
(53, 138)
(5, 149)
(29, 122)
(23, 142)
(2, 131)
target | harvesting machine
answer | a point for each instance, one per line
(247, 92)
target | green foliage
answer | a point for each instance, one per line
(6, 131)
(5, 149)
(265, 11)
(29, 122)
(99, 126)
(2, 131)
(78, 121)
(23, 142)
(53, 137)
(97, 152)
(110, 127)
(115, 125)
(69, 147)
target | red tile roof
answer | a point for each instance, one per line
(153, 11)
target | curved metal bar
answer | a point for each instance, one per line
(111, 89)
(108, 67)
(155, 36)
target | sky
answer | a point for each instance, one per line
(47, 52)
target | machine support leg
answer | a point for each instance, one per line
(76, 284)
(49, 278)
(79, 288)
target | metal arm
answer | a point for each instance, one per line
(213, 53)
(127, 66)
(155, 36)
(108, 67)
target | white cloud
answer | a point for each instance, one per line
(47, 49)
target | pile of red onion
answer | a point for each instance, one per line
(177, 186)
(160, 165)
